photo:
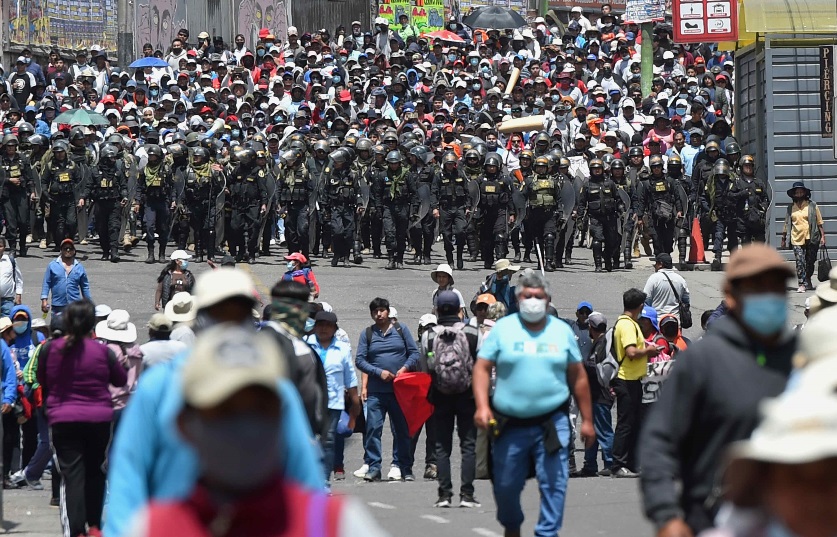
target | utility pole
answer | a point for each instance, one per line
(647, 57)
(125, 33)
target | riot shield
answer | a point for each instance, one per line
(566, 205)
(625, 201)
(473, 197)
(684, 222)
(423, 204)
(520, 204)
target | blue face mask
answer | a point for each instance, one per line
(765, 313)
(556, 98)
(451, 57)
(336, 79)
(291, 265)
(184, 264)
(536, 111)
(20, 329)
(309, 324)
(475, 61)
(680, 111)
(236, 133)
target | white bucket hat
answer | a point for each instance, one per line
(180, 254)
(504, 264)
(444, 268)
(118, 327)
(181, 308)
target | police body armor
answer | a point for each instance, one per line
(453, 191)
(396, 190)
(341, 188)
(198, 186)
(662, 198)
(542, 192)
(155, 183)
(245, 189)
(107, 183)
(295, 181)
(14, 169)
(62, 177)
(601, 198)
(492, 193)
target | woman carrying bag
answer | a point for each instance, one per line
(806, 233)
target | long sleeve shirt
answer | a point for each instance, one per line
(9, 374)
(65, 287)
(339, 369)
(385, 352)
(11, 281)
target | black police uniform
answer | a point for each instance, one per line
(492, 217)
(342, 196)
(394, 191)
(247, 195)
(471, 233)
(422, 234)
(155, 193)
(374, 214)
(752, 219)
(683, 227)
(202, 188)
(107, 188)
(541, 220)
(18, 185)
(61, 181)
(295, 188)
(321, 219)
(720, 201)
(600, 201)
(659, 200)
(450, 190)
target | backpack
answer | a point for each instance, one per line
(452, 361)
(608, 368)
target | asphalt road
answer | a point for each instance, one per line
(595, 506)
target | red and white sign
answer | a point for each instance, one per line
(705, 21)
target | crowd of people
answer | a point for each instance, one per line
(336, 144)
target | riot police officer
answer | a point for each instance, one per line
(203, 187)
(661, 202)
(753, 214)
(317, 163)
(394, 191)
(248, 199)
(720, 200)
(18, 192)
(543, 197)
(471, 170)
(702, 176)
(85, 159)
(38, 145)
(62, 178)
(374, 213)
(107, 188)
(360, 168)
(423, 230)
(495, 211)
(341, 193)
(155, 193)
(567, 217)
(295, 190)
(624, 207)
(451, 190)
(599, 200)
(636, 173)
(685, 189)
(178, 161)
(520, 233)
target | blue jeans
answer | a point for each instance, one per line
(513, 452)
(6, 305)
(603, 425)
(280, 226)
(328, 442)
(378, 405)
(43, 453)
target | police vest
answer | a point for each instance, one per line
(453, 189)
(105, 184)
(296, 185)
(342, 187)
(601, 197)
(395, 187)
(62, 176)
(490, 190)
(542, 192)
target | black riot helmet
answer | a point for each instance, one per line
(636, 151)
(154, 150)
(542, 164)
(450, 158)
(200, 155)
(394, 157)
(108, 153)
(721, 168)
(492, 161)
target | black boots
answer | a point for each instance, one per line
(391, 263)
(150, 259)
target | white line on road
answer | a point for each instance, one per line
(380, 505)
(486, 533)
(434, 518)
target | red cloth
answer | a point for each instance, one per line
(411, 391)
(279, 510)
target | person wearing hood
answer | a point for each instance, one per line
(11, 281)
(120, 336)
(711, 398)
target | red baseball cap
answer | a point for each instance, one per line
(296, 256)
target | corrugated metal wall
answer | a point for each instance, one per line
(212, 16)
(794, 147)
(312, 15)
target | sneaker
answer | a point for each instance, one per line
(362, 471)
(604, 472)
(17, 478)
(93, 531)
(35, 485)
(584, 472)
(43, 244)
(394, 473)
(430, 472)
(625, 473)
(443, 501)
(468, 502)
(273, 242)
(281, 239)
(54, 502)
(801, 288)
(29, 238)
(409, 477)
(84, 242)
(339, 475)
(372, 476)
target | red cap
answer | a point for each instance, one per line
(205, 109)
(296, 256)
(192, 53)
(231, 119)
(448, 127)
(108, 99)
(700, 59)
(264, 32)
(345, 95)
(67, 241)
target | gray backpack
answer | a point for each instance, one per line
(452, 360)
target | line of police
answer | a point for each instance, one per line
(348, 197)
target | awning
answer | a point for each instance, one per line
(791, 16)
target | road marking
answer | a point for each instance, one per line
(380, 505)
(264, 291)
(486, 533)
(434, 518)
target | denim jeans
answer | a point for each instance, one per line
(603, 425)
(280, 226)
(328, 442)
(6, 305)
(512, 454)
(458, 409)
(43, 453)
(378, 406)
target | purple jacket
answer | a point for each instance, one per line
(76, 382)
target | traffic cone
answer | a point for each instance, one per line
(696, 254)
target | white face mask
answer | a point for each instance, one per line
(532, 310)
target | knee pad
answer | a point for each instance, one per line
(499, 237)
(550, 237)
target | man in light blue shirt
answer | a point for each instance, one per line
(338, 363)
(65, 279)
(689, 152)
(538, 365)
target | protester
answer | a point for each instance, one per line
(181, 312)
(11, 428)
(666, 289)
(65, 281)
(160, 348)
(11, 281)
(712, 395)
(232, 416)
(299, 272)
(75, 374)
(807, 234)
(443, 277)
(538, 368)
(175, 278)
(385, 350)
(601, 399)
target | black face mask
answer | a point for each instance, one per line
(669, 330)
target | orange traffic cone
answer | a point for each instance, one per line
(696, 254)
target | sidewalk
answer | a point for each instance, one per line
(27, 512)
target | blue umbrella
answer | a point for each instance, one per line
(148, 62)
